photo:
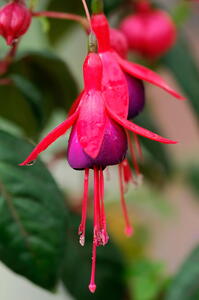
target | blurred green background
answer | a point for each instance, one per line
(40, 205)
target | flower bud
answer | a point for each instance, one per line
(149, 32)
(112, 152)
(119, 42)
(15, 19)
(136, 96)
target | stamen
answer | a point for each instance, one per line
(97, 214)
(92, 285)
(128, 227)
(96, 231)
(128, 175)
(104, 234)
(138, 145)
(133, 156)
(82, 227)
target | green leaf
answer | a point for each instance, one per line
(33, 216)
(181, 12)
(31, 94)
(77, 267)
(16, 108)
(110, 6)
(51, 75)
(42, 82)
(183, 66)
(59, 27)
(157, 150)
(146, 279)
(185, 286)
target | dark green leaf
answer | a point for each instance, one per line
(185, 286)
(33, 216)
(109, 272)
(31, 94)
(182, 64)
(59, 27)
(51, 75)
(16, 108)
(157, 150)
(110, 6)
(44, 82)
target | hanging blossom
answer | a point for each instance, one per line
(15, 19)
(122, 82)
(150, 32)
(98, 139)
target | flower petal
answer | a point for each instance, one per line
(137, 129)
(114, 85)
(146, 74)
(50, 138)
(91, 122)
(75, 104)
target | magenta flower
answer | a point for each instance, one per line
(98, 139)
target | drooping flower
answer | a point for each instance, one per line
(15, 19)
(150, 32)
(119, 42)
(98, 139)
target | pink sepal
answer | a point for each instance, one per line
(114, 85)
(137, 129)
(50, 138)
(91, 122)
(146, 74)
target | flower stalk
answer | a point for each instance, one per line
(64, 16)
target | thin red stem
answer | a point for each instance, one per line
(87, 13)
(128, 228)
(64, 16)
(133, 156)
(8, 59)
(82, 227)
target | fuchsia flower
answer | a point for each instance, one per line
(150, 32)
(119, 42)
(98, 131)
(15, 19)
(100, 128)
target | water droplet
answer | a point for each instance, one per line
(31, 163)
(82, 240)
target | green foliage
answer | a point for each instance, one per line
(181, 13)
(33, 216)
(77, 267)
(59, 27)
(157, 150)
(185, 285)
(146, 279)
(40, 83)
(183, 66)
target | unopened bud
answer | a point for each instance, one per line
(15, 19)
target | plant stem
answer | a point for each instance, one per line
(64, 16)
